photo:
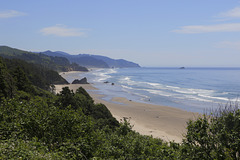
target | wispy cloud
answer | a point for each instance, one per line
(224, 27)
(228, 44)
(233, 13)
(229, 27)
(63, 31)
(11, 13)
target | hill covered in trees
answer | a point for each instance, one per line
(38, 75)
(54, 63)
(93, 61)
(36, 124)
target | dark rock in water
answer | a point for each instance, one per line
(182, 68)
(82, 81)
(106, 82)
(112, 83)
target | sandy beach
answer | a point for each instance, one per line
(159, 121)
(167, 123)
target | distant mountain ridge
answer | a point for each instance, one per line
(93, 61)
(55, 63)
(118, 63)
(85, 61)
(61, 61)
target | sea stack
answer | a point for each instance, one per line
(82, 81)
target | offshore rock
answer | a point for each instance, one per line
(82, 81)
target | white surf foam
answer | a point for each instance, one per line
(103, 74)
(136, 87)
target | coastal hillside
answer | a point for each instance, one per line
(38, 75)
(55, 63)
(37, 124)
(115, 63)
(86, 61)
(95, 61)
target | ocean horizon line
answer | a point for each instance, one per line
(186, 67)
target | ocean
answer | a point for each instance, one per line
(190, 89)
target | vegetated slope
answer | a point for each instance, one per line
(37, 74)
(86, 61)
(94, 60)
(54, 63)
(116, 63)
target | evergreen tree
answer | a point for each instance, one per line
(82, 91)
(22, 82)
(66, 98)
(6, 82)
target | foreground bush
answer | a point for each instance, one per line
(40, 129)
(214, 136)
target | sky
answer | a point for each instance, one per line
(152, 33)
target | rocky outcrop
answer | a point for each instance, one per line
(82, 81)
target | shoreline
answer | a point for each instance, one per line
(167, 123)
(163, 122)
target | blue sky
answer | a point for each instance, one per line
(170, 33)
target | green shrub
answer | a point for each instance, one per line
(214, 136)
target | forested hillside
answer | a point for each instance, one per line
(54, 63)
(36, 124)
(37, 74)
(94, 61)
(86, 61)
